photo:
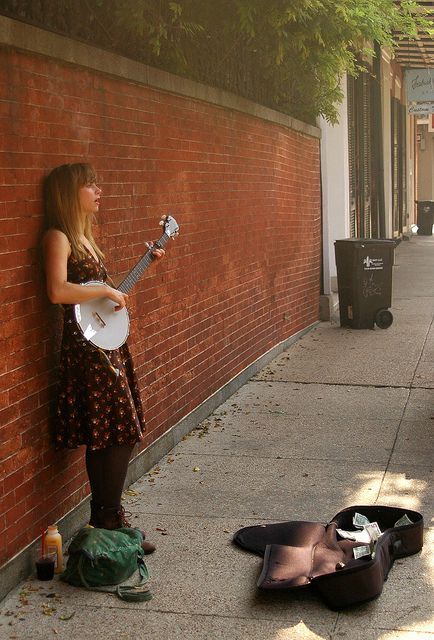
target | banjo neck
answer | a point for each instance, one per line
(137, 271)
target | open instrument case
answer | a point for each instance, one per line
(313, 555)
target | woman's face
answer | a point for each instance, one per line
(89, 197)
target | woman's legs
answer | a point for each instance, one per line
(116, 461)
(95, 472)
(107, 470)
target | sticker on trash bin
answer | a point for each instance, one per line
(373, 264)
(370, 287)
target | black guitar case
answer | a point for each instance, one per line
(312, 555)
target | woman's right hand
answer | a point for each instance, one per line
(117, 296)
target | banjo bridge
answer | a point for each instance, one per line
(98, 319)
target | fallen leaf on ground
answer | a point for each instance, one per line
(66, 617)
(48, 610)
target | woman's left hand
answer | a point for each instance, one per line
(157, 251)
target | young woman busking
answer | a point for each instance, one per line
(94, 407)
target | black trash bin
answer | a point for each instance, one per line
(425, 217)
(364, 269)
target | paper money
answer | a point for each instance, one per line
(360, 552)
(373, 530)
(403, 521)
(370, 533)
(348, 535)
(360, 521)
(358, 536)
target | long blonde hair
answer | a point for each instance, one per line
(62, 205)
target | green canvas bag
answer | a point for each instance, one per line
(101, 560)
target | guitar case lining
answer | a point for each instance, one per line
(312, 555)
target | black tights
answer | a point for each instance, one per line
(107, 470)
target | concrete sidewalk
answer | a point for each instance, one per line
(342, 417)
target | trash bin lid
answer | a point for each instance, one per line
(364, 241)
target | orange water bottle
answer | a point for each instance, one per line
(53, 545)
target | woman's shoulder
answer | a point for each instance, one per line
(56, 238)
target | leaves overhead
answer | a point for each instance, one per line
(287, 54)
(293, 53)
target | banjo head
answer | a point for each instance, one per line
(100, 324)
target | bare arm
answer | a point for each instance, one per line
(56, 253)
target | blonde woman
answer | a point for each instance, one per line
(94, 408)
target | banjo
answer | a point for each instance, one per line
(97, 319)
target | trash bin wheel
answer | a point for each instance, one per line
(383, 318)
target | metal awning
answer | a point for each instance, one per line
(417, 53)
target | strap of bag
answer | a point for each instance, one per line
(130, 593)
(140, 592)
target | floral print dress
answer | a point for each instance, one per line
(93, 406)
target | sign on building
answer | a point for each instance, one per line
(419, 85)
(421, 108)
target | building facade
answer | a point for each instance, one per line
(371, 161)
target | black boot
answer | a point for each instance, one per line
(114, 518)
(110, 518)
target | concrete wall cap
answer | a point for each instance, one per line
(35, 40)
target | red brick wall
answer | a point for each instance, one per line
(242, 276)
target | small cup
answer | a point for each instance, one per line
(45, 567)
